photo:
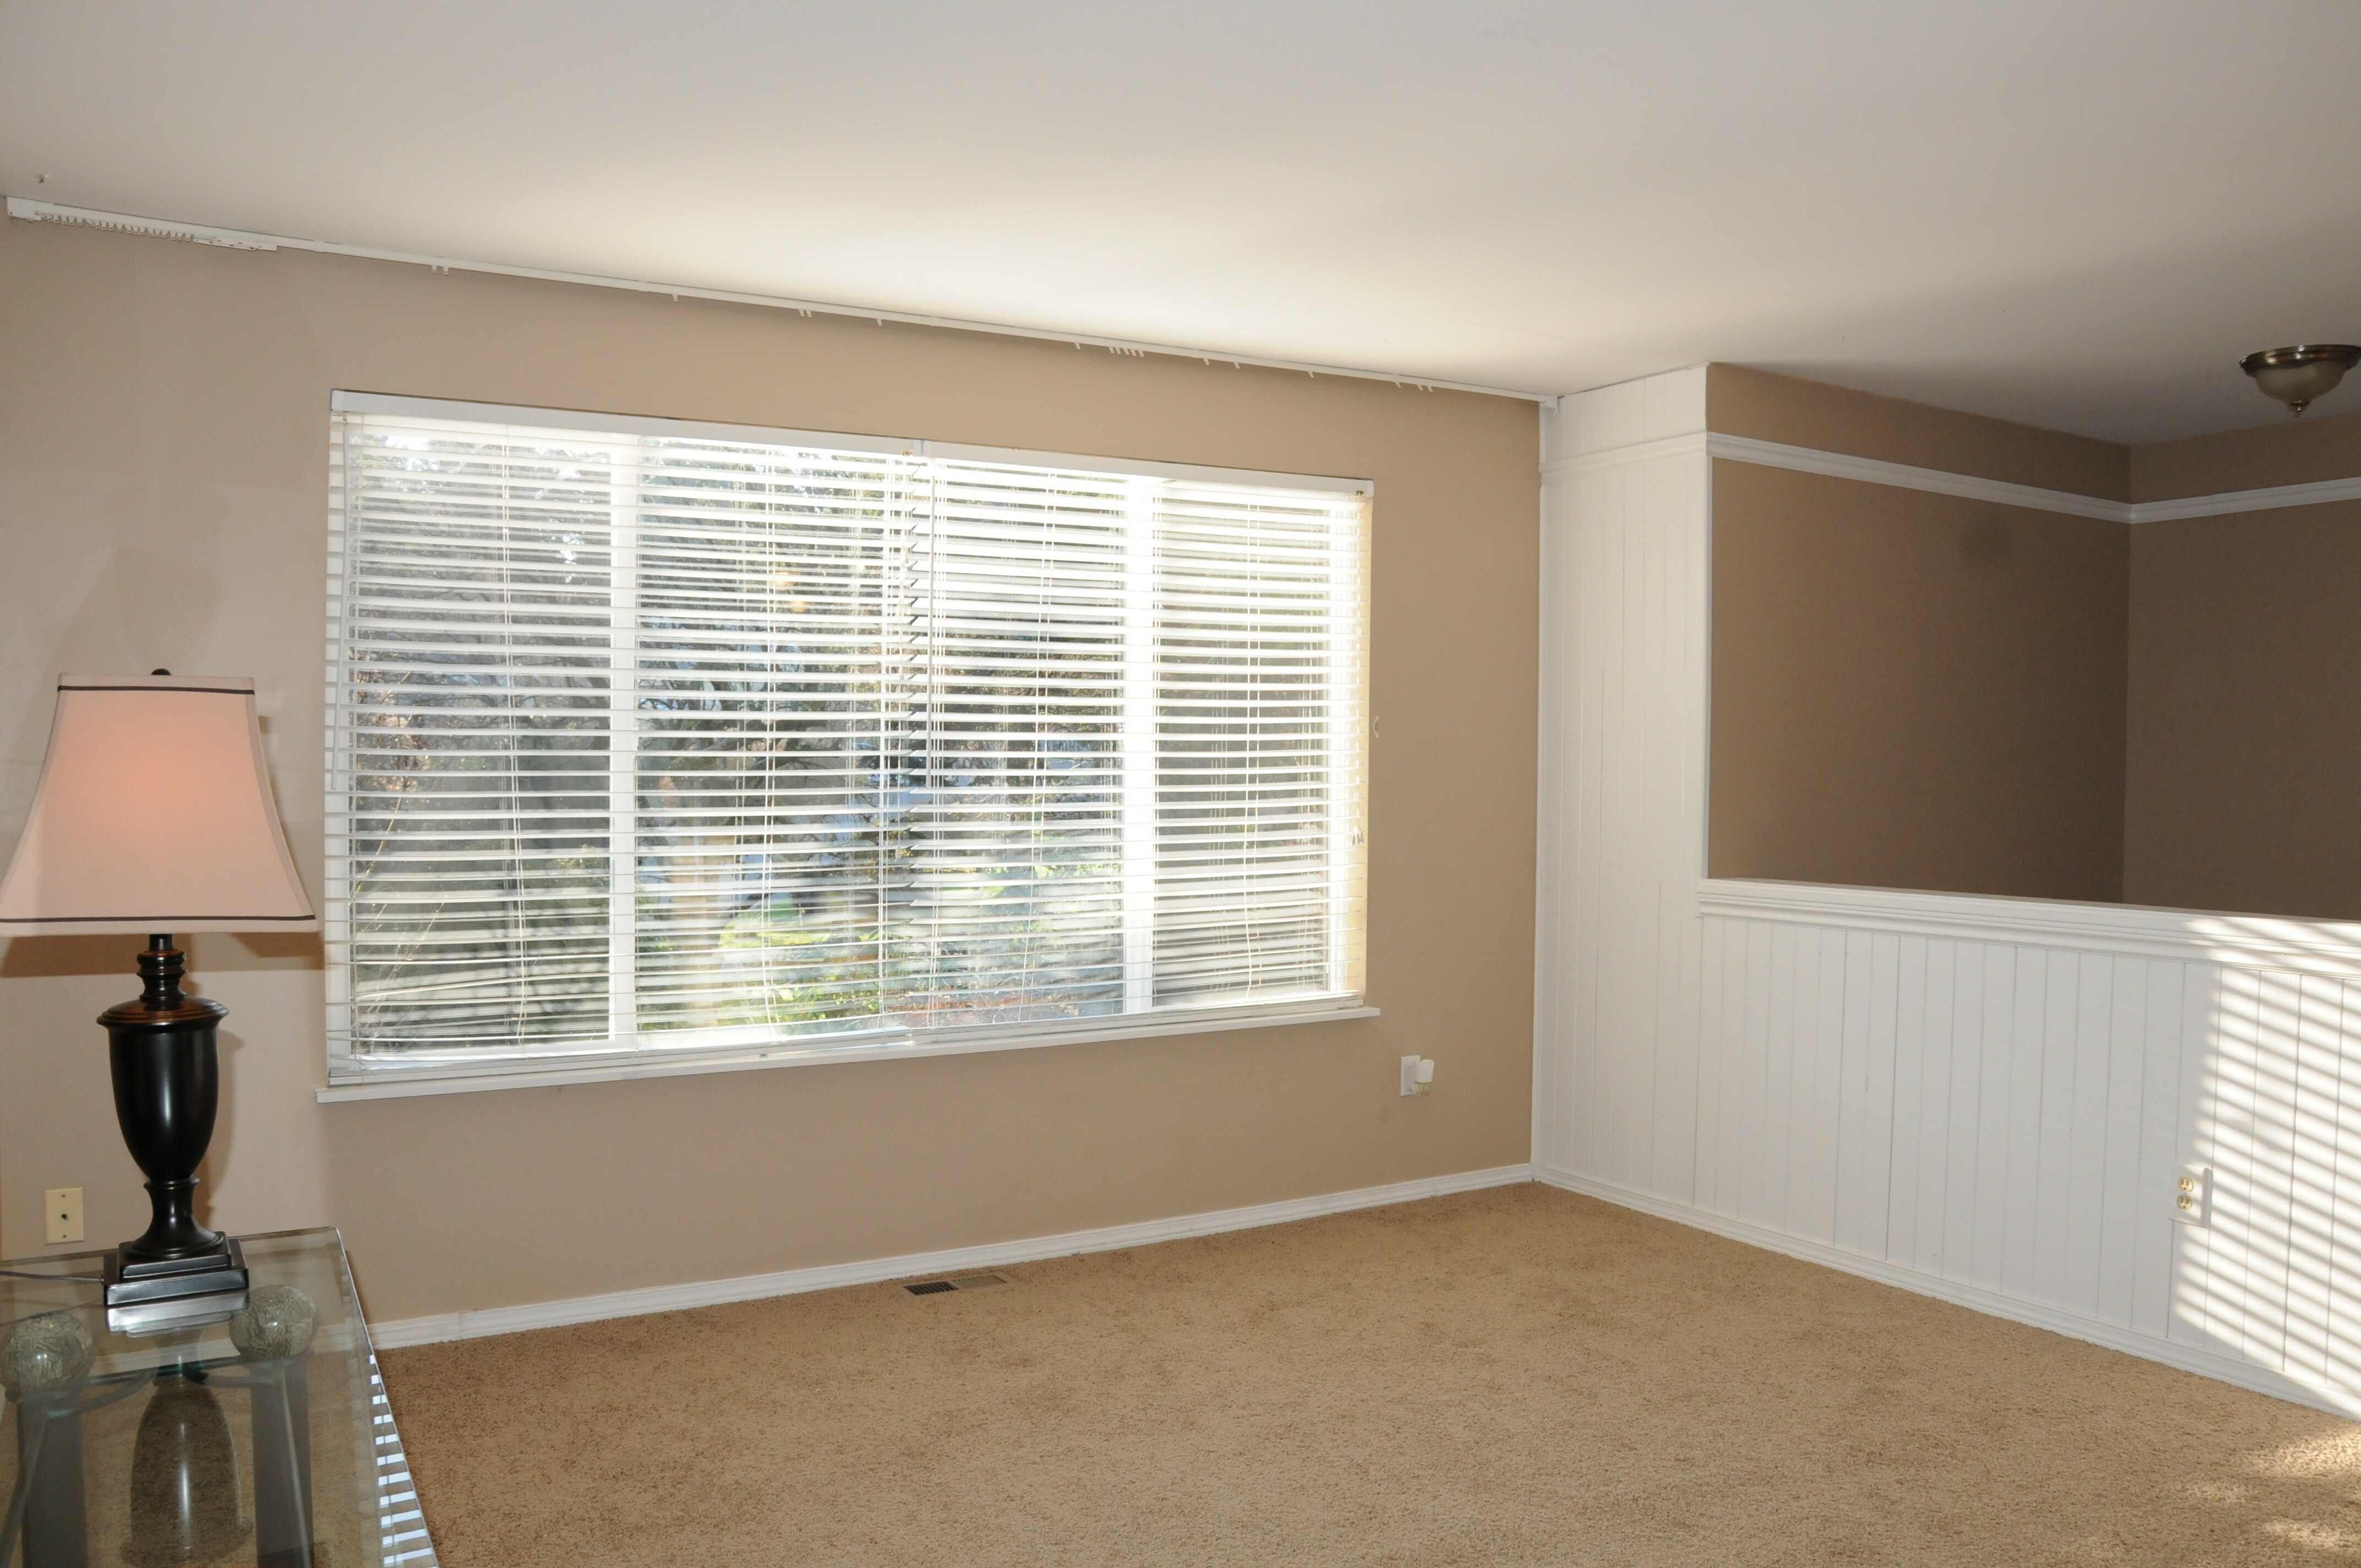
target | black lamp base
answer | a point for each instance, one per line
(132, 1282)
(167, 1072)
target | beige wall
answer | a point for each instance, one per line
(1914, 690)
(2243, 781)
(2244, 754)
(2285, 452)
(1794, 412)
(162, 502)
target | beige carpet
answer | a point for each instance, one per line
(1512, 1377)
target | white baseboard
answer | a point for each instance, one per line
(957, 1260)
(2073, 1325)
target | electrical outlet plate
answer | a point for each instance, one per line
(2192, 1195)
(62, 1214)
(1410, 1083)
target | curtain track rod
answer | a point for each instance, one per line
(240, 239)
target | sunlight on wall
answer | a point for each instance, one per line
(2275, 1278)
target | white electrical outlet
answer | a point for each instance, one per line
(1417, 1073)
(2192, 1195)
(61, 1215)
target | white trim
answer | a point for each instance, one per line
(1937, 481)
(591, 421)
(2073, 1325)
(1624, 456)
(1871, 470)
(2268, 500)
(2255, 941)
(241, 239)
(1841, 466)
(454, 1078)
(1546, 701)
(910, 1266)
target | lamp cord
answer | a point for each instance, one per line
(67, 1279)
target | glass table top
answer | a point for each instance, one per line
(261, 1438)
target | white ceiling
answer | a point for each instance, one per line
(2078, 215)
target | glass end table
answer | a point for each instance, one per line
(259, 1436)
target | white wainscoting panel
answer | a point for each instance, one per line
(1986, 1100)
(2013, 1118)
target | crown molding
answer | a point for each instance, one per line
(1968, 487)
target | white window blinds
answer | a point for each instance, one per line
(665, 738)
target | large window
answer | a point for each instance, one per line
(651, 738)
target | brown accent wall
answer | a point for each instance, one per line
(163, 499)
(2243, 785)
(1913, 690)
(2285, 452)
(1794, 412)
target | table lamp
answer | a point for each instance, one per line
(154, 815)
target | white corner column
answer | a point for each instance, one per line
(1626, 499)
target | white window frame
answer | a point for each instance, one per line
(352, 1080)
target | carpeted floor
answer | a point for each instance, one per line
(1512, 1376)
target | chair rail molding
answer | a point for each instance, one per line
(2262, 941)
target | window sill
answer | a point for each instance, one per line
(398, 1084)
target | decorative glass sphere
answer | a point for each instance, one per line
(47, 1355)
(277, 1323)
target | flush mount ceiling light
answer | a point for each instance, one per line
(2299, 375)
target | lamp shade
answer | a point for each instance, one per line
(154, 814)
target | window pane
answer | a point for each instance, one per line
(648, 741)
(1009, 893)
(1256, 730)
(475, 687)
(761, 804)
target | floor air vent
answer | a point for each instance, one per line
(963, 1282)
